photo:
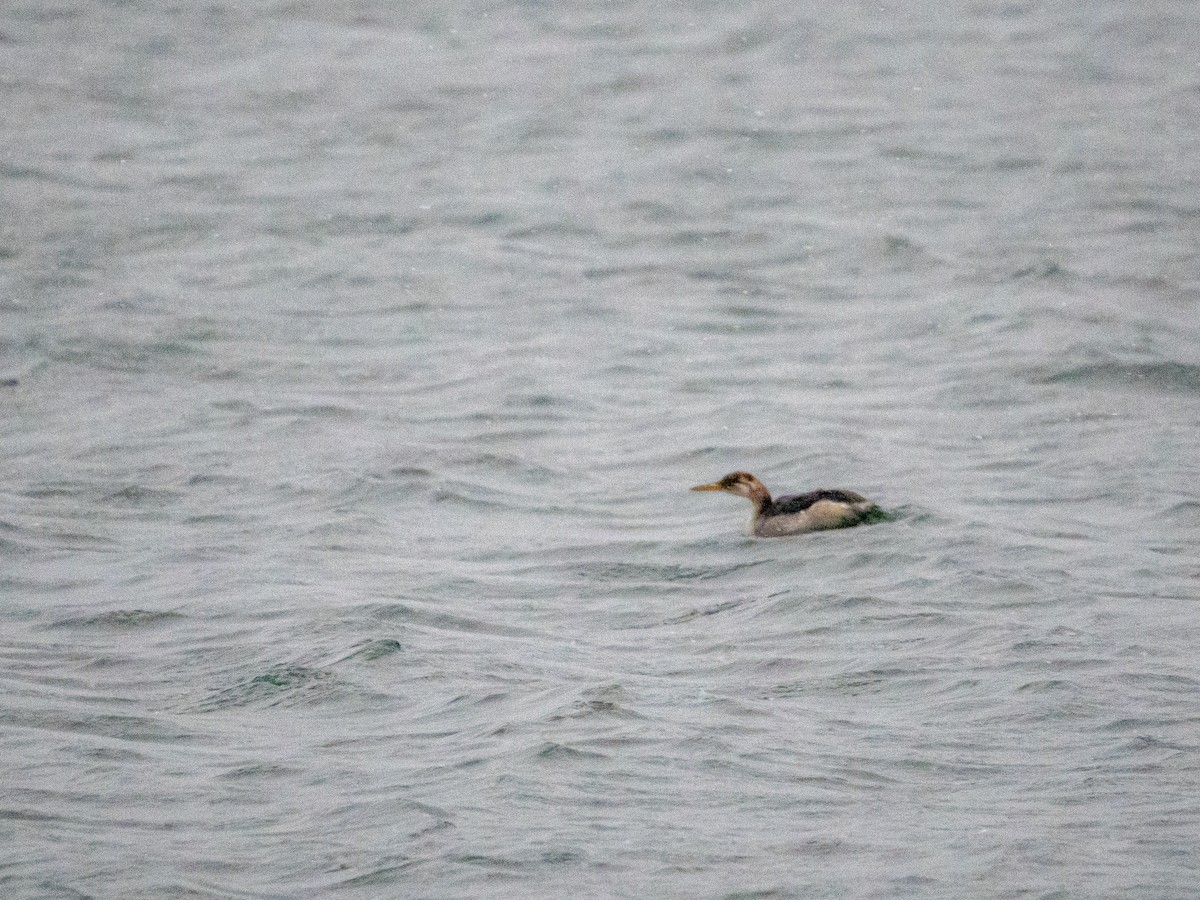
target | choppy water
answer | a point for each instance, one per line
(355, 364)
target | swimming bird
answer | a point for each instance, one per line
(795, 513)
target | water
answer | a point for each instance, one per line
(354, 367)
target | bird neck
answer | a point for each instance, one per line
(760, 497)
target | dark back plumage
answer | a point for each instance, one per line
(794, 503)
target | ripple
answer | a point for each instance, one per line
(376, 649)
(279, 685)
(1171, 377)
(121, 619)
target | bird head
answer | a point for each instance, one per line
(741, 483)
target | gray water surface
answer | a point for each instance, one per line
(355, 361)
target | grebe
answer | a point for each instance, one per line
(795, 513)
